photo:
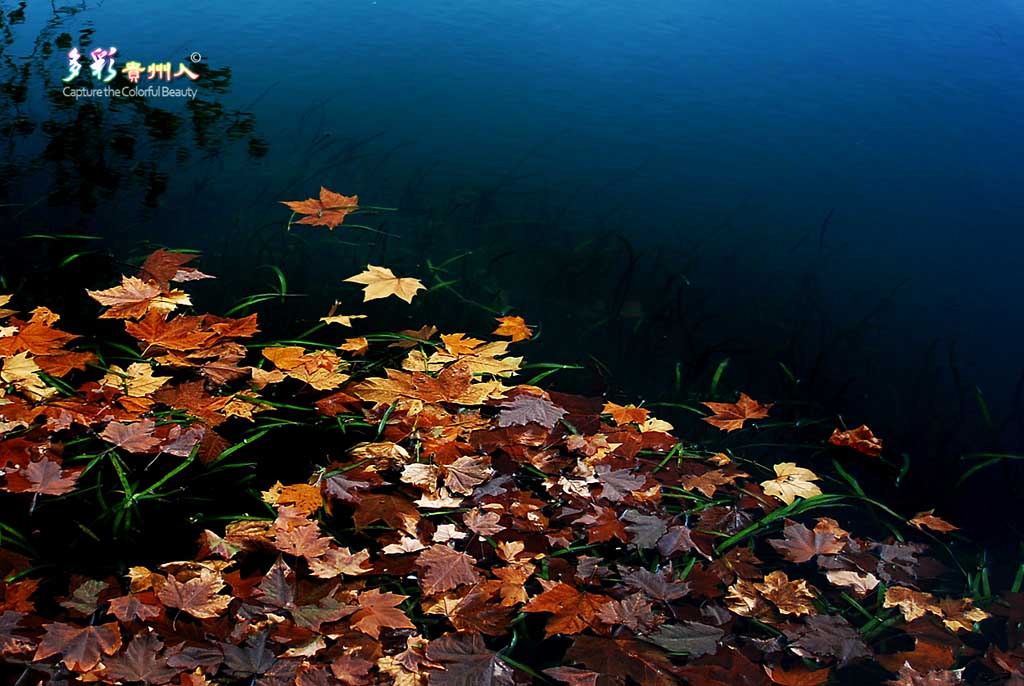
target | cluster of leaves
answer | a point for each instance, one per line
(488, 534)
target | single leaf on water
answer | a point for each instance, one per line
(731, 416)
(860, 439)
(514, 327)
(380, 282)
(329, 210)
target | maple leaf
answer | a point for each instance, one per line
(462, 475)
(321, 369)
(790, 597)
(453, 385)
(23, 373)
(730, 416)
(527, 408)
(80, 648)
(197, 596)
(628, 414)
(617, 484)
(339, 561)
(860, 439)
(179, 333)
(860, 583)
(647, 530)
(572, 611)
(445, 569)
(381, 282)
(136, 437)
(255, 658)
(928, 520)
(380, 611)
(617, 660)
(800, 544)
(825, 636)
(132, 607)
(483, 523)
(164, 266)
(912, 604)
(135, 297)
(791, 482)
(466, 661)
(329, 210)
(457, 344)
(514, 327)
(44, 477)
(357, 346)
(343, 319)
(140, 661)
(708, 482)
(137, 381)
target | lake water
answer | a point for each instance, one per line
(832, 185)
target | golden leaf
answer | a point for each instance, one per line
(791, 482)
(381, 282)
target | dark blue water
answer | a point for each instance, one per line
(844, 161)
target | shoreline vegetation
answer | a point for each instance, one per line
(412, 508)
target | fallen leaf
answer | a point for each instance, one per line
(791, 482)
(329, 210)
(730, 416)
(381, 282)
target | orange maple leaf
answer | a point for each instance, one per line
(514, 327)
(330, 210)
(730, 416)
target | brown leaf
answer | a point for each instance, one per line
(380, 611)
(526, 408)
(445, 569)
(136, 437)
(928, 520)
(329, 210)
(197, 596)
(800, 544)
(860, 439)
(572, 611)
(140, 661)
(80, 648)
(730, 416)
(466, 661)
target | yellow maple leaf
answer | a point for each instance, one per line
(381, 282)
(23, 373)
(137, 381)
(458, 345)
(343, 319)
(791, 482)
